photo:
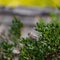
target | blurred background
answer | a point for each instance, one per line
(28, 11)
(40, 3)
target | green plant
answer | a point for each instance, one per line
(16, 27)
(15, 30)
(6, 51)
(48, 44)
(49, 37)
(7, 45)
(30, 50)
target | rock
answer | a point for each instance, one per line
(16, 52)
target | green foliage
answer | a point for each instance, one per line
(48, 42)
(31, 50)
(6, 51)
(16, 27)
(49, 35)
(6, 47)
(46, 47)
